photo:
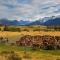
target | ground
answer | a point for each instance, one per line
(17, 35)
(34, 55)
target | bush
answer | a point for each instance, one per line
(10, 55)
(35, 46)
(13, 29)
(26, 55)
(26, 30)
(48, 47)
(14, 56)
(36, 30)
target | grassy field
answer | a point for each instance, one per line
(6, 33)
(34, 55)
(13, 36)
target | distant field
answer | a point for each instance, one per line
(17, 35)
(11, 34)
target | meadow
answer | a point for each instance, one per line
(26, 53)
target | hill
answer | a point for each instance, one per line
(47, 21)
(13, 22)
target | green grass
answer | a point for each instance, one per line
(35, 55)
(14, 48)
(19, 48)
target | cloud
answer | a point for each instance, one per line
(28, 9)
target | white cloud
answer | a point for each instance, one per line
(28, 9)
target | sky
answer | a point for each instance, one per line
(28, 9)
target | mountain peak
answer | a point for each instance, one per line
(13, 22)
(48, 21)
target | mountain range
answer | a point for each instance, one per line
(13, 22)
(46, 21)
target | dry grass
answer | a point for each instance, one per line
(39, 56)
(17, 35)
(4, 33)
(34, 55)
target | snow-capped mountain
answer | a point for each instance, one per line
(47, 21)
(13, 22)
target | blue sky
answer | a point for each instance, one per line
(28, 9)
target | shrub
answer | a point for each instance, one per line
(48, 47)
(6, 28)
(14, 56)
(26, 55)
(36, 30)
(35, 46)
(26, 30)
(10, 55)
